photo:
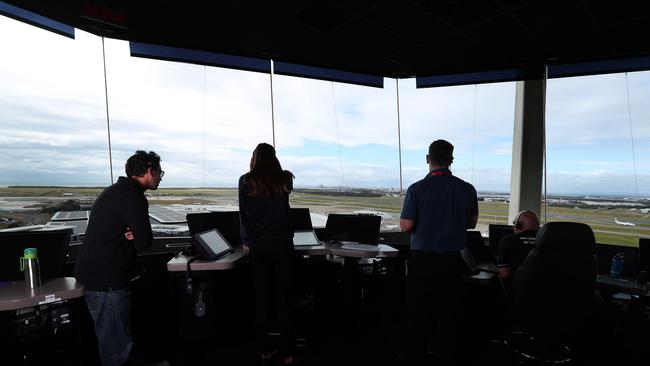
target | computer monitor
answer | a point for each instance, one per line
(496, 232)
(359, 228)
(211, 244)
(227, 222)
(631, 265)
(476, 246)
(51, 249)
(300, 219)
(644, 254)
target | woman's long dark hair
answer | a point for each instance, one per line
(266, 176)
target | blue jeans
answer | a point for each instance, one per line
(110, 312)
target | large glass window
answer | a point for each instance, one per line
(598, 139)
(478, 120)
(203, 121)
(341, 143)
(52, 122)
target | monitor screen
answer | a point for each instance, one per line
(476, 246)
(496, 232)
(227, 222)
(305, 237)
(51, 246)
(211, 245)
(300, 219)
(359, 228)
(644, 254)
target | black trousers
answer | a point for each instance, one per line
(272, 267)
(435, 296)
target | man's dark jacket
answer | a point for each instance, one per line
(106, 256)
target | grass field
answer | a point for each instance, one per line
(601, 219)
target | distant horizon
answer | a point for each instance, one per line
(642, 196)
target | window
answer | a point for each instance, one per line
(478, 121)
(52, 122)
(341, 143)
(598, 141)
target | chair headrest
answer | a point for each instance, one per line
(566, 237)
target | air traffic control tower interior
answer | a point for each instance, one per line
(545, 102)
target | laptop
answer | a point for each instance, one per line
(353, 228)
(305, 238)
(477, 255)
(211, 245)
(644, 254)
(300, 218)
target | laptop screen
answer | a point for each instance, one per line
(359, 228)
(305, 237)
(644, 254)
(496, 232)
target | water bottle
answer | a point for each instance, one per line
(616, 270)
(29, 265)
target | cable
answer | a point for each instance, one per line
(108, 120)
(629, 114)
(338, 137)
(399, 142)
(474, 131)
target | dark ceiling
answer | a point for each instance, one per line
(386, 38)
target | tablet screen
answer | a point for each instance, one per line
(306, 237)
(214, 241)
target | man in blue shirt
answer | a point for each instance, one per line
(437, 212)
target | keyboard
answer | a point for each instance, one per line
(358, 246)
(622, 284)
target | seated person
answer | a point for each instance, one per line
(513, 248)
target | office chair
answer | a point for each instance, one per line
(555, 291)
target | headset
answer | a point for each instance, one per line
(516, 221)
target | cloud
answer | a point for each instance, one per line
(205, 121)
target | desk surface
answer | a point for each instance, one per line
(179, 262)
(625, 285)
(382, 251)
(15, 295)
(312, 249)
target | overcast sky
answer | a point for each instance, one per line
(205, 122)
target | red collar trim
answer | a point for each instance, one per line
(440, 172)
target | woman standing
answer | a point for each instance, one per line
(266, 231)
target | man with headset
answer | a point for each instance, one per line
(513, 248)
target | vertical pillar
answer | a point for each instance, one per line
(528, 143)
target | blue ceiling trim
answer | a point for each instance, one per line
(470, 78)
(599, 67)
(36, 20)
(199, 57)
(284, 68)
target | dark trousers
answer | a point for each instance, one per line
(434, 300)
(110, 311)
(272, 267)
